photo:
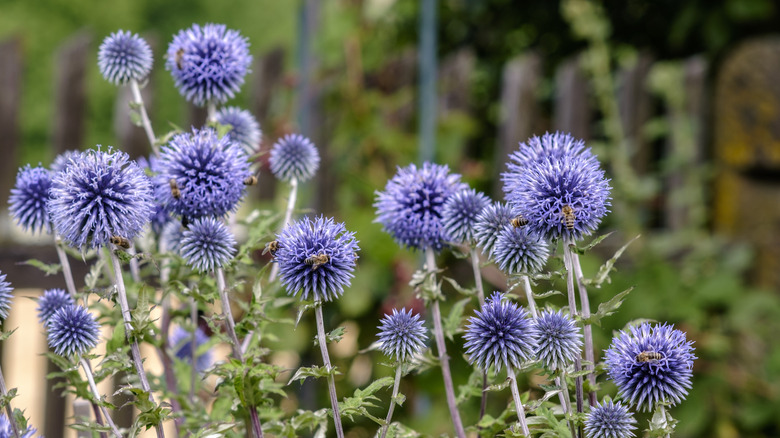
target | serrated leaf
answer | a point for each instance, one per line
(305, 305)
(48, 269)
(399, 399)
(460, 289)
(451, 324)
(547, 294)
(334, 336)
(608, 308)
(591, 245)
(314, 371)
(6, 335)
(606, 268)
(499, 387)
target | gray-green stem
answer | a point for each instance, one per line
(587, 329)
(66, 271)
(96, 394)
(438, 332)
(396, 384)
(145, 122)
(567, 261)
(211, 109)
(322, 341)
(566, 401)
(481, 297)
(529, 295)
(518, 404)
(8, 410)
(193, 347)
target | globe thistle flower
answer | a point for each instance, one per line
(562, 197)
(72, 330)
(180, 342)
(51, 301)
(294, 156)
(172, 234)
(201, 174)
(560, 339)
(207, 244)
(208, 63)
(500, 335)
(410, 207)
(124, 56)
(316, 258)
(29, 197)
(401, 335)
(519, 250)
(460, 213)
(244, 129)
(489, 224)
(6, 431)
(62, 160)
(651, 364)
(99, 195)
(5, 297)
(538, 149)
(609, 420)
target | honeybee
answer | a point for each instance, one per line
(271, 247)
(647, 356)
(174, 188)
(120, 242)
(178, 58)
(250, 180)
(317, 260)
(518, 221)
(568, 216)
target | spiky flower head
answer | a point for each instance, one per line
(294, 156)
(181, 343)
(520, 250)
(609, 420)
(460, 213)
(6, 295)
(560, 339)
(6, 431)
(29, 198)
(411, 206)
(207, 244)
(62, 160)
(207, 171)
(538, 149)
(99, 195)
(72, 330)
(489, 224)
(208, 63)
(244, 128)
(316, 258)
(651, 364)
(500, 335)
(124, 56)
(51, 301)
(402, 335)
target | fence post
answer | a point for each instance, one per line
(572, 112)
(70, 97)
(10, 98)
(635, 106)
(267, 79)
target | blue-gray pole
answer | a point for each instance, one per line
(428, 67)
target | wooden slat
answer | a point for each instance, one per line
(70, 96)
(10, 98)
(572, 112)
(635, 105)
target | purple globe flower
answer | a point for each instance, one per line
(6, 431)
(489, 224)
(207, 244)
(208, 63)
(160, 216)
(244, 129)
(460, 213)
(294, 156)
(62, 160)
(651, 364)
(316, 258)
(6, 295)
(538, 149)
(560, 339)
(180, 342)
(609, 420)
(201, 174)
(51, 301)
(29, 197)
(124, 56)
(100, 195)
(519, 250)
(72, 330)
(402, 335)
(172, 234)
(410, 207)
(500, 335)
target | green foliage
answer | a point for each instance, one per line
(48, 269)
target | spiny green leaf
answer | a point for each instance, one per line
(451, 323)
(468, 291)
(593, 243)
(314, 371)
(333, 336)
(608, 308)
(48, 269)
(606, 268)
(6, 335)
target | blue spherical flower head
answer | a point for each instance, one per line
(124, 56)
(316, 258)
(294, 157)
(62, 161)
(411, 206)
(244, 129)
(51, 301)
(562, 198)
(560, 340)
(538, 149)
(6, 431)
(100, 195)
(208, 63)
(500, 335)
(460, 213)
(181, 344)
(651, 364)
(207, 244)
(6, 295)
(489, 224)
(519, 250)
(29, 198)
(201, 174)
(609, 420)
(72, 330)
(402, 335)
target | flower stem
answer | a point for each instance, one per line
(326, 361)
(567, 261)
(193, 346)
(518, 404)
(481, 297)
(8, 410)
(561, 382)
(147, 124)
(587, 329)
(449, 389)
(396, 384)
(66, 271)
(96, 394)
(127, 318)
(211, 109)
(529, 295)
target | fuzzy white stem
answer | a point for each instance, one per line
(135, 270)
(587, 329)
(396, 384)
(193, 347)
(147, 124)
(230, 324)
(477, 276)
(518, 404)
(8, 410)
(334, 401)
(567, 261)
(529, 295)
(96, 394)
(66, 271)
(211, 109)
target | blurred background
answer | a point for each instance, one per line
(680, 100)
